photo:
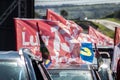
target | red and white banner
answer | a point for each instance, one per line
(99, 38)
(52, 16)
(117, 35)
(70, 30)
(53, 34)
(72, 27)
(85, 38)
(54, 40)
(27, 35)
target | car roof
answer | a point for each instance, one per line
(70, 66)
(13, 55)
(6, 55)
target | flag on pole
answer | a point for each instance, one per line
(86, 52)
(47, 63)
(27, 35)
(73, 28)
(117, 36)
(68, 29)
(100, 39)
(53, 16)
(53, 33)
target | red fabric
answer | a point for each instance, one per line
(51, 15)
(100, 39)
(27, 35)
(73, 28)
(117, 35)
(52, 38)
(85, 38)
(54, 34)
(48, 31)
(68, 29)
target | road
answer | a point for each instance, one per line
(109, 24)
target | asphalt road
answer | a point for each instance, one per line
(109, 24)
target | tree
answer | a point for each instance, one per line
(117, 14)
(64, 13)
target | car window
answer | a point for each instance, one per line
(12, 70)
(70, 74)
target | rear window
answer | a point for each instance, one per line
(70, 74)
(12, 70)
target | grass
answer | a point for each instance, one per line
(98, 26)
(114, 20)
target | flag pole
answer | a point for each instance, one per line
(98, 56)
(43, 49)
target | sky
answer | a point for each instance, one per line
(74, 2)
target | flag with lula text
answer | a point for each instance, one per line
(54, 34)
(86, 52)
(27, 35)
(51, 33)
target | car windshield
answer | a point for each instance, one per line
(70, 74)
(12, 70)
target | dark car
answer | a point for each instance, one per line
(21, 65)
(73, 72)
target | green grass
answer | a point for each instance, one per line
(113, 19)
(98, 26)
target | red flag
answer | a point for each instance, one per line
(117, 35)
(70, 30)
(85, 38)
(54, 34)
(74, 29)
(100, 39)
(51, 15)
(54, 41)
(27, 35)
